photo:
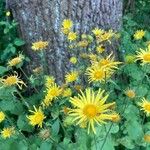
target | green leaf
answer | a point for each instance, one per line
(46, 146)
(23, 124)
(3, 70)
(56, 127)
(19, 42)
(126, 142)
(134, 129)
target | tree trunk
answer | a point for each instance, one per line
(41, 20)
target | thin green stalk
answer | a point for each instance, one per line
(106, 136)
(95, 141)
(28, 79)
(23, 99)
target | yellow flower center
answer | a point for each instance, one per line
(54, 92)
(99, 74)
(147, 107)
(11, 80)
(130, 93)
(104, 62)
(147, 138)
(146, 57)
(90, 111)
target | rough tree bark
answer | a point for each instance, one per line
(41, 19)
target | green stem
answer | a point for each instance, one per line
(28, 79)
(23, 99)
(95, 142)
(106, 136)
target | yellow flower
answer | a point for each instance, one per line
(130, 93)
(93, 57)
(15, 61)
(65, 110)
(2, 116)
(67, 92)
(73, 60)
(145, 106)
(40, 45)
(97, 32)
(72, 36)
(7, 132)
(139, 34)
(72, 76)
(83, 43)
(144, 56)
(100, 48)
(107, 63)
(37, 117)
(115, 117)
(90, 108)
(50, 80)
(8, 13)
(67, 24)
(147, 138)
(78, 87)
(96, 74)
(13, 80)
(106, 36)
(52, 92)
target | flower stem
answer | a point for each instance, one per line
(28, 79)
(23, 99)
(106, 136)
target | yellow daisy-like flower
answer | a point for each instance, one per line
(13, 80)
(143, 56)
(100, 48)
(37, 117)
(7, 132)
(52, 92)
(115, 117)
(72, 76)
(72, 36)
(97, 32)
(93, 57)
(67, 92)
(106, 36)
(15, 61)
(73, 60)
(130, 93)
(147, 138)
(78, 87)
(83, 43)
(40, 45)
(145, 106)
(90, 108)
(2, 116)
(67, 24)
(50, 80)
(97, 74)
(108, 63)
(139, 34)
